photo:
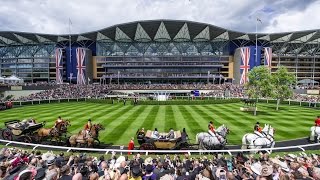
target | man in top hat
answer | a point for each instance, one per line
(58, 121)
(87, 128)
(211, 129)
(258, 129)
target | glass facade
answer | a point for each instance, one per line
(30, 62)
(161, 50)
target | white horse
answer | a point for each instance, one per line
(214, 140)
(315, 133)
(255, 141)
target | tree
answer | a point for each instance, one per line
(282, 80)
(259, 84)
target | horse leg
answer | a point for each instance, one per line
(244, 142)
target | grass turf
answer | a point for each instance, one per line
(122, 122)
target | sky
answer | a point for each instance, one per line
(52, 16)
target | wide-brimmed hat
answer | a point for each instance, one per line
(119, 161)
(148, 161)
(256, 168)
(282, 164)
(49, 157)
(266, 170)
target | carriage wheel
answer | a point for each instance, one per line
(147, 146)
(96, 143)
(27, 139)
(7, 135)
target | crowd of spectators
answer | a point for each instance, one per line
(99, 90)
(16, 164)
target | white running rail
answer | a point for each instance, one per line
(230, 151)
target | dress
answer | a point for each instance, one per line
(130, 146)
(317, 122)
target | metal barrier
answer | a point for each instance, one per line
(288, 102)
(106, 151)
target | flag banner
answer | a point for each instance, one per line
(244, 64)
(59, 65)
(268, 56)
(81, 67)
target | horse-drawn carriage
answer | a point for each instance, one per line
(148, 142)
(24, 131)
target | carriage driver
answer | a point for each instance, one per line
(58, 121)
(87, 127)
(258, 129)
(211, 129)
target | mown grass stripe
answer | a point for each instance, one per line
(150, 119)
(170, 121)
(83, 119)
(118, 129)
(160, 119)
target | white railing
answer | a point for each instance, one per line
(121, 150)
(289, 101)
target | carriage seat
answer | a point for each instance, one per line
(177, 135)
(16, 126)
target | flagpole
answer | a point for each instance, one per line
(256, 59)
(70, 47)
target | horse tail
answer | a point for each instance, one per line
(244, 142)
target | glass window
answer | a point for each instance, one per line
(41, 65)
(41, 60)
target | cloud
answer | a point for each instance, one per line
(51, 16)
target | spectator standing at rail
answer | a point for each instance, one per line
(131, 145)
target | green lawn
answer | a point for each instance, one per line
(121, 122)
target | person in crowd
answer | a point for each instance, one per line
(131, 145)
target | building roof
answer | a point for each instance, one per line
(172, 31)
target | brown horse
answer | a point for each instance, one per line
(86, 138)
(55, 132)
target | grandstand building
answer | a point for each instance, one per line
(156, 51)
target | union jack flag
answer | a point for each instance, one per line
(81, 67)
(244, 66)
(267, 57)
(59, 67)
